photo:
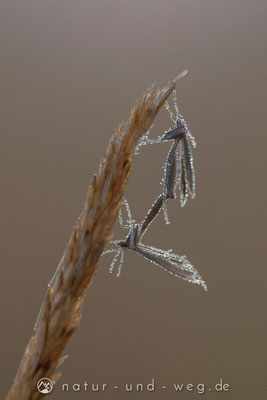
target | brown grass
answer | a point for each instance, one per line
(60, 311)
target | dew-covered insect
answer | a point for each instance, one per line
(179, 168)
(166, 259)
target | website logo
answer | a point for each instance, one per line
(45, 385)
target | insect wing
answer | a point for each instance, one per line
(170, 172)
(189, 168)
(176, 265)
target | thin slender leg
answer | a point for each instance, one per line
(167, 106)
(114, 261)
(120, 264)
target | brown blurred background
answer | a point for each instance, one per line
(70, 71)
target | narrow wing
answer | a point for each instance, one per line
(176, 265)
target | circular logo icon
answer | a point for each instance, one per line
(45, 385)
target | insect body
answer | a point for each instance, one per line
(179, 169)
(176, 265)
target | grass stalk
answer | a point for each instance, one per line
(60, 311)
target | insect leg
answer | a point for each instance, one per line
(114, 261)
(144, 140)
(109, 251)
(120, 264)
(175, 103)
(151, 215)
(167, 106)
(128, 210)
(120, 218)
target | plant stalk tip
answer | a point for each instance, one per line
(181, 75)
